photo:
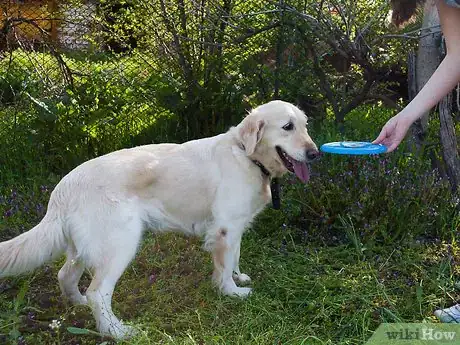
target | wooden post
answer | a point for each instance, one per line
(411, 75)
(449, 143)
(428, 59)
(53, 10)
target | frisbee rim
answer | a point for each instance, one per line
(353, 148)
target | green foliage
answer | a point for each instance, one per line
(172, 78)
(368, 240)
(106, 108)
(12, 316)
(378, 199)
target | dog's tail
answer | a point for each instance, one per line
(32, 248)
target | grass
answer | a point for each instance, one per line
(303, 294)
(368, 240)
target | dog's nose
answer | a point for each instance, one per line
(313, 155)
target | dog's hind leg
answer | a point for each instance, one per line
(120, 248)
(69, 276)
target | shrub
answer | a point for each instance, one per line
(366, 199)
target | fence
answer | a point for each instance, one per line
(110, 70)
(86, 77)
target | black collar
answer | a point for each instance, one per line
(262, 168)
(274, 185)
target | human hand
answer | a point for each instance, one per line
(393, 132)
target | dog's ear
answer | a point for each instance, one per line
(251, 133)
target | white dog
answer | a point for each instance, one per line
(211, 187)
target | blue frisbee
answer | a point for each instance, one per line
(353, 148)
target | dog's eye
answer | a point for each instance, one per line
(288, 127)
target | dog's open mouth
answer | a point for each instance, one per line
(299, 168)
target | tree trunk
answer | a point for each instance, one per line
(411, 75)
(417, 131)
(449, 142)
(428, 59)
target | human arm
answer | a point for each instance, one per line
(443, 80)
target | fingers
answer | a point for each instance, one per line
(393, 133)
(386, 139)
(391, 147)
(381, 137)
(391, 143)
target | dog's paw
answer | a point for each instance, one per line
(79, 300)
(75, 299)
(241, 292)
(119, 331)
(241, 278)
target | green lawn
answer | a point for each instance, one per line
(368, 240)
(303, 294)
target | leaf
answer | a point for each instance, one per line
(14, 333)
(76, 330)
(41, 104)
(419, 292)
(20, 298)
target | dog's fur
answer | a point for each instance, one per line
(209, 187)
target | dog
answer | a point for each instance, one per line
(211, 187)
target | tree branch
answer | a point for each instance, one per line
(322, 78)
(186, 68)
(253, 32)
(12, 22)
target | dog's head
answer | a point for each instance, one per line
(275, 134)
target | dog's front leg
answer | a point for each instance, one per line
(239, 277)
(224, 246)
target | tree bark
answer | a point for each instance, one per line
(428, 59)
(411, 75)
(449, 143)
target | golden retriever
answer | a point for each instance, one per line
(212, 187)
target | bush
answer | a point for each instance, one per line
(61, 125)
(362, 200)
(382, 198)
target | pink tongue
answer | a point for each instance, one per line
(301, 170)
